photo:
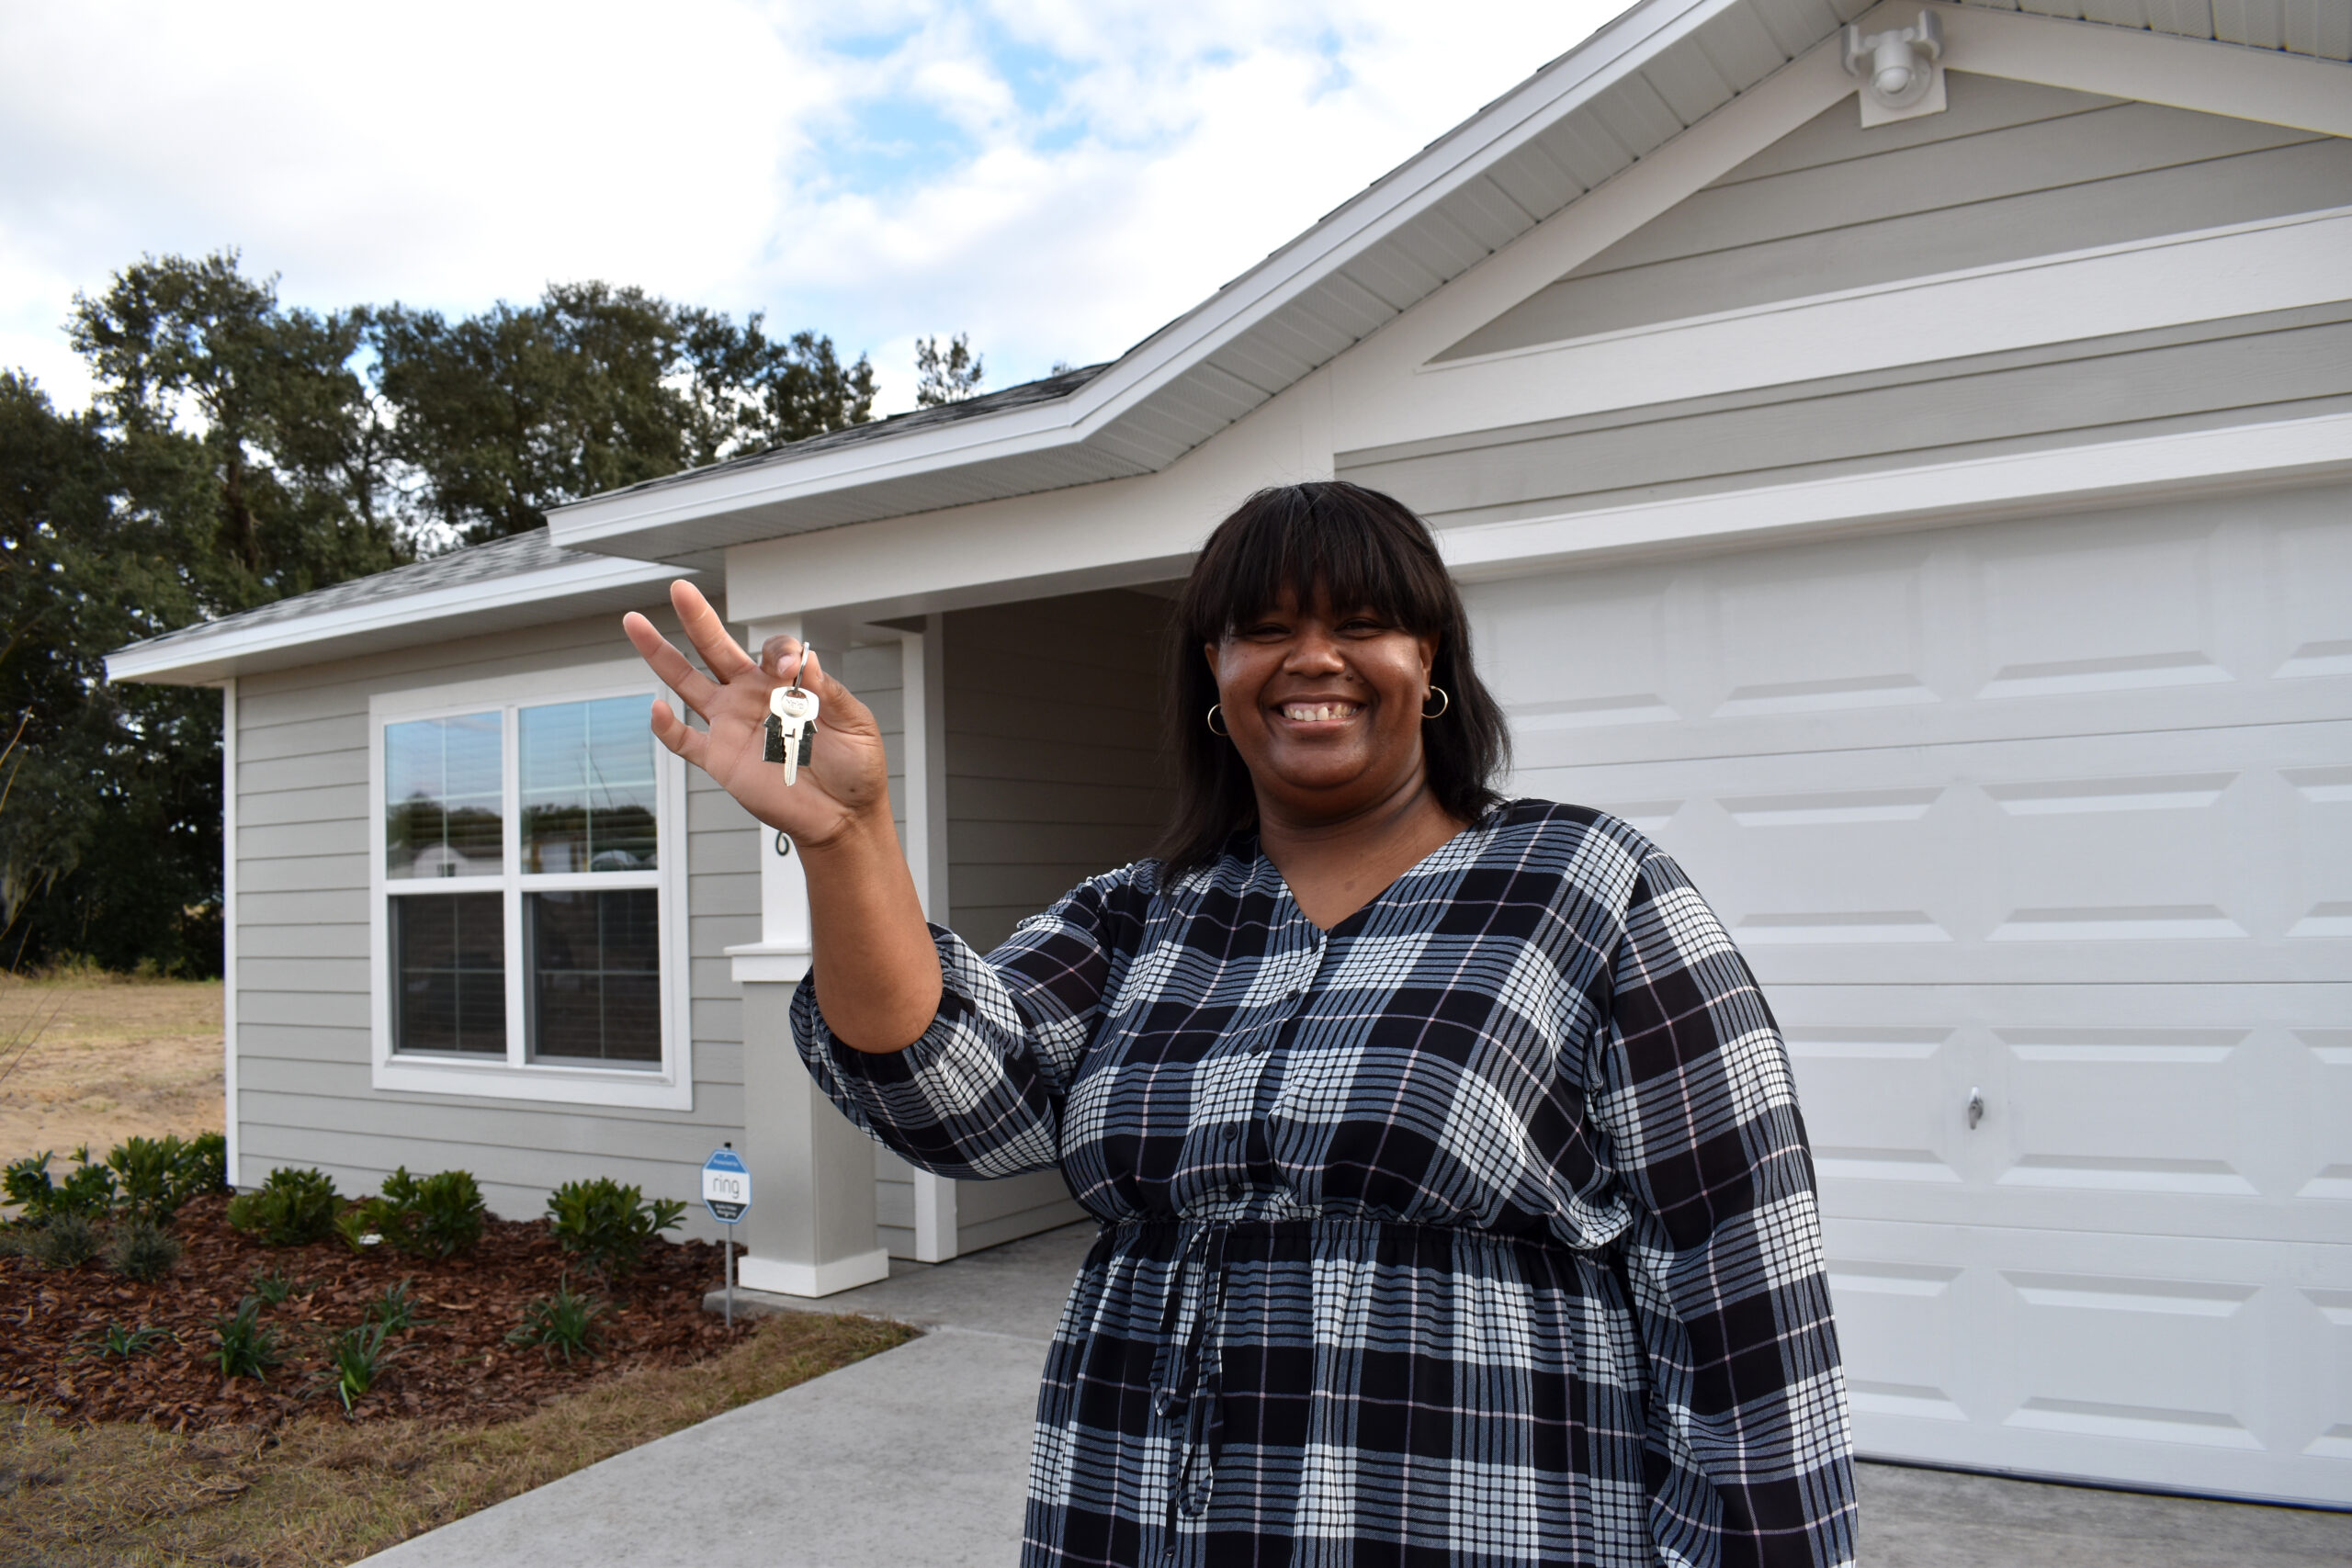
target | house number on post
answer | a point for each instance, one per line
(726, 1194)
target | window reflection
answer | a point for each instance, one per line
(588, 790)
(441, 786)
(595, 969)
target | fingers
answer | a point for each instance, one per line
(719, 650)
(693, 687)
(678, 735)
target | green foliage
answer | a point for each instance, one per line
(946, 375)
(395, 1310)
(276, 1285)
(243, 1346)
(142, 1250)
(357, 1225)
(64, 1241)
(155, 1176)
(88, 1192)
(121, 1344)
(506, 414)
(608, 1224)
(563, 1324)
(292, 1208)
(431, 1216)
(356, 1361)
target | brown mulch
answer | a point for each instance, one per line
(454, 1367)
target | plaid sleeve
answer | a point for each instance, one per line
(980, 1093)
(1749, 1459)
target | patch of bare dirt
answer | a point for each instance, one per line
(95, 1059)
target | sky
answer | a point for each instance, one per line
(1056, 178)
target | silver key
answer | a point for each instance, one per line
(792, 730)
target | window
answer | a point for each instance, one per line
(529, 908)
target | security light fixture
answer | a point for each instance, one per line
(1900, 69)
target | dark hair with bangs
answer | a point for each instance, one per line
(1364, 551)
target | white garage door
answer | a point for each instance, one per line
(2056, 814)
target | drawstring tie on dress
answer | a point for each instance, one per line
(1193, 1390)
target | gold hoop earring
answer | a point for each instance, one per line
(1212, 721)
(1443, 704)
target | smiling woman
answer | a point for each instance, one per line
(1456, 1206)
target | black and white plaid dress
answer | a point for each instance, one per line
(1478, 1230)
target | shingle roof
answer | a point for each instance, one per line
(534, 551)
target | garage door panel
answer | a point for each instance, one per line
(2175, 1362)
(2214, 1111)
(2310, 561)
(1812, 634)
(2318, 820)
(2072, 608)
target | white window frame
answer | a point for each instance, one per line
(516, 1076)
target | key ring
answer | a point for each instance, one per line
(799, 667)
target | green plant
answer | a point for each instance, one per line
(88, 1192)
(292, 1208)
(124, 1343)
(276, 1286)
(359, 1227)
(202, 1168)
(395, 1309)
(564, 1323)
(64, 1241)
(143, 1251)
(435, 1216)
(356, 1361)
(142, 1169)
(608, 1224)
(246, 1346)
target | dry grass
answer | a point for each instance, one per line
(119, 1056)
(322, 1491)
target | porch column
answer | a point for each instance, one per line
(810, 1231)
(923, 681)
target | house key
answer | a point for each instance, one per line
(792, 725)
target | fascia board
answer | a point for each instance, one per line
(1363, 222)
(201, 657)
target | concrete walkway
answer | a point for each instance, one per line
(917, 1459)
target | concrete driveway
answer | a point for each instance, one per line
(917, 1458)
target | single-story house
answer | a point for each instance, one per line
(1906, 470)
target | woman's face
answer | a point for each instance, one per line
(1324, 706)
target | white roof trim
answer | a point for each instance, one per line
(201, 657)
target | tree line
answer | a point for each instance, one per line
(238, 450)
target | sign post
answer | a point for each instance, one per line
(726, 1194)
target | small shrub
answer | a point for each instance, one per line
(142, 1251)
(608, 1224)
(121, 1342)
(292, 1208)
(435, 1216)
(143, 1170)
(246, 1346)
(355, 1361)
(202, 1168)
(395, 1310)
(88, 1192)
(564, 1323)
(64, 1241)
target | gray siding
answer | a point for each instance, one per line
(303, 850)
(2010, 171)
(2235, 370)
(1054, 766)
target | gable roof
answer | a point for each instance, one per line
(1633, 85)
(1618, 97)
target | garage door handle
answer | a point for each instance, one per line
(1975, 1108)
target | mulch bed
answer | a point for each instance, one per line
(453, 1368)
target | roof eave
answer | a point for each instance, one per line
(203, 657)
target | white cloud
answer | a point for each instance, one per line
(1056, 178)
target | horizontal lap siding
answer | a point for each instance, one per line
(2010, 172)
(303, 939)
(1054, 775)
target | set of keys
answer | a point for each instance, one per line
(792, 724)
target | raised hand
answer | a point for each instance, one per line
(847, 778)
